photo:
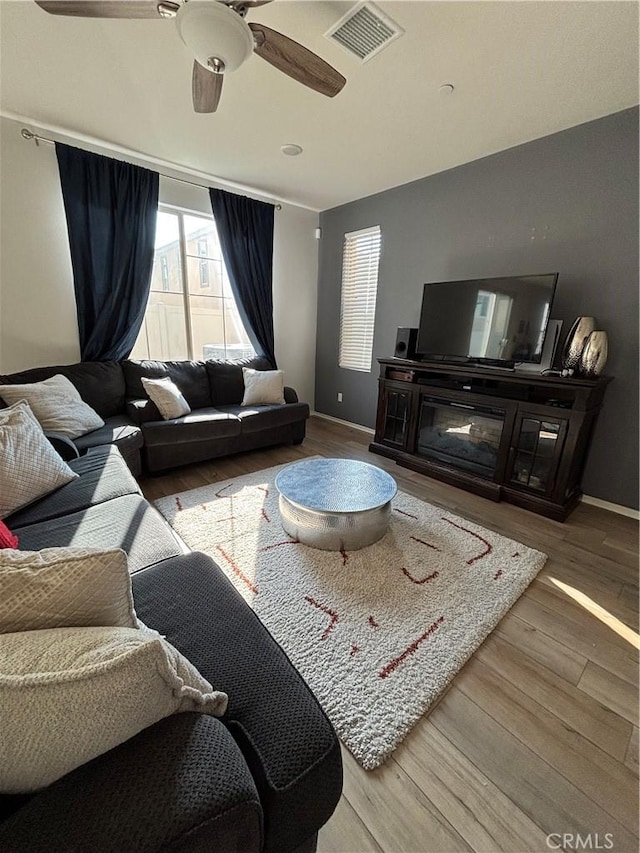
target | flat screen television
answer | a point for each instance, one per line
(492, 321)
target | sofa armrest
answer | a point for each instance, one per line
(142, 410)
(290, 395)
(180, 786)
(63, 445)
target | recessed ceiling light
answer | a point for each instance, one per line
(446, 89)
(291, 149)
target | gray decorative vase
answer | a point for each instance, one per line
(576, 342)
(594, 355)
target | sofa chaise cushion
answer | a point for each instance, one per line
(258, 418)
(119, 431)
(202, 425)
(127, 522)
(287, 741)
(181, 785)
(103, 475)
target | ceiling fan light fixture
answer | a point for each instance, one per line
(212, 30)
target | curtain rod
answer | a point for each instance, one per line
(37, 138)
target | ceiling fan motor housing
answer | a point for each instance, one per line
(212, 30)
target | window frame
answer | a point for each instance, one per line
(181, 213)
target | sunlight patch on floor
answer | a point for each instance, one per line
(599, 612)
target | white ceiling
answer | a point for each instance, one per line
(521, 70)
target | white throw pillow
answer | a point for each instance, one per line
(64, 588)
(262, 387)
(167, 397)
(29, 466)
(69, 694)
(56, 404)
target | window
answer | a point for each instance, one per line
(181, 321)
(164, 270)
(360, 259)
(203, 251)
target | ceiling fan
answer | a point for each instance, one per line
(220, 39)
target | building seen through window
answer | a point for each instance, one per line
(191, 312)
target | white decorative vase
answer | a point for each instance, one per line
(594, 355)
(576, 342)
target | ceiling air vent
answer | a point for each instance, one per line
(364, 31)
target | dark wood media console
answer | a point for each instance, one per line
(514, 436)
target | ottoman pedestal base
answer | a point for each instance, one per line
(334, 531)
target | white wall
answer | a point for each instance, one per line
(295, 300)
(37, 306)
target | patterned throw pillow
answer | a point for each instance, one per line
(167, 397)
(262, 387)
(7, 538)
(29, 466)
(69, 694)
(56, 404)
(65, 588)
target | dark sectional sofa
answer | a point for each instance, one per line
(217, 425)
(265, 777)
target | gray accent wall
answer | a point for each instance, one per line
(565, 203)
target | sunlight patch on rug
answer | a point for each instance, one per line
(377, 633)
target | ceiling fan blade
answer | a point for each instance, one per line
(296, 61)
(108, 8)
(206, 88)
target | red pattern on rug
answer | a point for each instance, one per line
(218, 495)
(402, 512)
(278, 544)
(373, 622)
(422, 542)
(423, 580)
(411, 649)
(331, 613)
(497, 575)
(265, 516)
(345, 556)
(238, 571)
(489, 547)
(354, 650)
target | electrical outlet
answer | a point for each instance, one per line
(339, 396)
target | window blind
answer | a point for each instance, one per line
(360, 259)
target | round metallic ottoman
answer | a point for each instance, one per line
(335, 504)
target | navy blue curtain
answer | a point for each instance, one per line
(245, 228)
(111, 210)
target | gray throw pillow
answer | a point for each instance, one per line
(56, 404)
(29, 466)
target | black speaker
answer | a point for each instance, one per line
(406, 341)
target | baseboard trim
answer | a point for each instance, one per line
(343, 423)
(617, 508)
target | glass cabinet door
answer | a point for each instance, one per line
(536, 452)
(396, 417)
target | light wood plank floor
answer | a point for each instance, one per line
(538, 733)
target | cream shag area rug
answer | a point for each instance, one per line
(377, 633)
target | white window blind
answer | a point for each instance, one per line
(360, 259)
